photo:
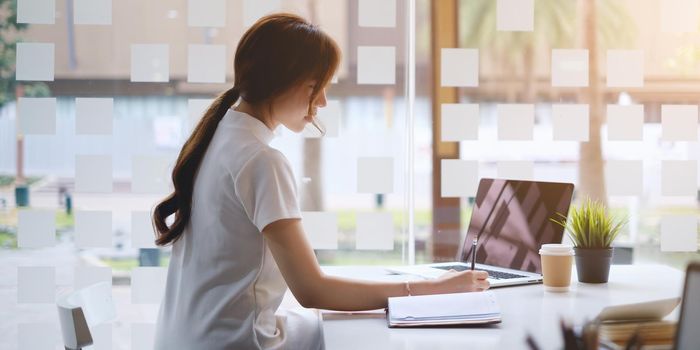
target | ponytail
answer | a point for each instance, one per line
(180, 201)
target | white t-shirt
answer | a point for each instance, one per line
(224, 287)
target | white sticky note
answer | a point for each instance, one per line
(375, 175)
(150, 174)
(330, 117)
(516, 169)
(570, 122)
(35, 61)
(36, 228)
(458, 178)
(625, 123)
(375, 231)
(376, 13)
(37, 336)
(624, 177)
(569, 68)
(321, 229)
(679, 16)
(36, 284)
(679, 122)
(459, 67)
(85, 276)
(515, 15)
(150, 63)
(93, 173)
(94, 116)
(515, 121)
(36, 11)
(147, 285)
(254, 9)
(196, 107)
(376, 65)
(459, 121)
(142, 235)
(143, 336)
(206, 63)
(206, 13)
(37, 115)
(93, 229)
(679, 234)
(625, 68)
(96, 12)
(679, 178)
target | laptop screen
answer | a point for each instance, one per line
(688, 337)
(518, 214)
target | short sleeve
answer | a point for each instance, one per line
(266, 188)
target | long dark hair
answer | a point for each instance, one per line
(276, 54)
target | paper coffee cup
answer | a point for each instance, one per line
(557, 260)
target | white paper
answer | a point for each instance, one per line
(516, 170)
(97, 12)
(569, 68)
(36, 228)
(330, 117)
(679, 16)
(36, 11)
(679, 122)
(375, 175)
(37, 115)
(196, 107)
(93, 173)
(515, 121)
(624, 177)
(515, 15)
(679, 178)
(570, 122)
(94, 116)
(36, 284)
(254, 9)
(321, 229)
(142, 235)
(375, 231)
(376, 65)
(93, 229)
(679, 234)
(85, 276)
(206, 63)
(206, 13)
(459, 121)
(625, 123)
(150, 63)
(625, 68)
(27, 338)
(147, 284)
(459, 67)
(376, 13)
(143, 336)
(35, 62)
(150, 174)
(459, 178)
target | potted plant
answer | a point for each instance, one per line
(592, 230)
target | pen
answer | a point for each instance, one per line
(473, 253)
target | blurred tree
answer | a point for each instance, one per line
(555, 26)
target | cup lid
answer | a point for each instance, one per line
(557, 249)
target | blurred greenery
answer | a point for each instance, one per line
(8, 180)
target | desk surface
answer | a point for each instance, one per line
(525, 309)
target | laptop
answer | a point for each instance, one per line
(687, 335)
(510, 220)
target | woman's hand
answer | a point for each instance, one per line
(465, 281)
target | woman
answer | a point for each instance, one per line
(236, 231)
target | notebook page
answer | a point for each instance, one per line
(444, 306)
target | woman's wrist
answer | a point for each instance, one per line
(423, 287)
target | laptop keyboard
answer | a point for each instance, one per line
(492, 274)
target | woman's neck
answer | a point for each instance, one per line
(257, 113)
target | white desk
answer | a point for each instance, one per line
(525, 309)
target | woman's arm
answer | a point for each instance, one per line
(312, 288)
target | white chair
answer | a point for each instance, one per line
(84, 308)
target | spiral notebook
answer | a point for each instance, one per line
(444, 310)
